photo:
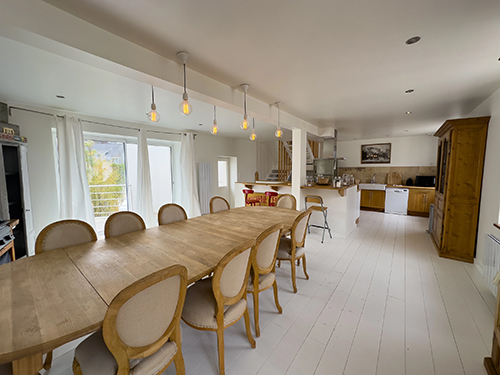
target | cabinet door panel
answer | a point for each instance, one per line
(378, 199)
(365, 198)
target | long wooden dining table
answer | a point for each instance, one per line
(60, 295)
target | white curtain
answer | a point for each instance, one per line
(144, 193)
(74, 194)
(189, 188)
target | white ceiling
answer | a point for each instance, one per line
(331, 63)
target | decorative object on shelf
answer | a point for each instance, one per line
(185, 107)
(278, 132)
(379, 153)
(4, 113)
(153, 115)
(244, 123)
(13, 138)
(215, 129)
(253, 136)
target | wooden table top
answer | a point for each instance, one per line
(60, 295)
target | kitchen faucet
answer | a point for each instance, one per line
(374, 178)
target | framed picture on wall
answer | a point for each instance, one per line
(379, 153)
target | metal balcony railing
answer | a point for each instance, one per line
(107, 199)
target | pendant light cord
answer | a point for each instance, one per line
(153, 94)
(215, 116)
(245, 103)
(184, 78)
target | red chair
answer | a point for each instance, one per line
(271, 198)
(250, 201)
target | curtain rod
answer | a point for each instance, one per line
(99, 123)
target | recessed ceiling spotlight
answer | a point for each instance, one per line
(200, 124)
(60, 97)
(406, 130)
(409, 91)
(367, 133)
(408, 112)
(413, 40)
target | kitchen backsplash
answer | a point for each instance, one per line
(364, 174)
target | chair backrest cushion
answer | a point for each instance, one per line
(218, 204)
(234, 274)
(287, 201)
(123, 222)
(170, 213)
(301, 229)
(67, 233)
(144, 318)
(267, 249)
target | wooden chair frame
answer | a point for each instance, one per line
(39, 249)
(114, 215)
(124, 353)
(43, 233)
(295, 244)
(222, 301)
(287, 195)
(321, 208)
(257, 271)
(166, 206)
(217, 197)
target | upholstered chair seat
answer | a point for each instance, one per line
(94, 357)
(284, 251)
(265, 281)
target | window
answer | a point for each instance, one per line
(222, 173)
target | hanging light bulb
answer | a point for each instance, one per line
(185, 107)
(278, 132)
(153, 115)
(215, 129)
(244, 123)
(253, 136)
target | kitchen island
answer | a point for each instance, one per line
(342, 204)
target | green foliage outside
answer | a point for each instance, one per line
(105, 199)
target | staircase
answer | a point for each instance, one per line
(284, 170)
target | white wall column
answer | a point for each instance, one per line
(299, 139)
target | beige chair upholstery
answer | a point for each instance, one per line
(168, 213)
(215, 303)
(141, 330)
(63, 233)
(123, 222)
(263, 267)
(218, 204)
(287, 201)
(293, 249)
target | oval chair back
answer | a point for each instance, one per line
(171, 212)
(287, 201)
(218, 204)
(64, 233)
(123, 222)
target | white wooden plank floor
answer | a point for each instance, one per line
(378, 302)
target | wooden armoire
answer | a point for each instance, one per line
(461, 149)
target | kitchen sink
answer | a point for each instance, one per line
(372, 186)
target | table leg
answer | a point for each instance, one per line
(28, 365)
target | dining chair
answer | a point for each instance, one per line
(317, 205)
(287, 201)
(271, 198)
(262, 275)
(250, 201)
(293, 249)
(122, 222)
(141, 331)
(218, 204)
(63, 233)
(168, 213)
(215, 303)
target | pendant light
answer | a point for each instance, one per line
(253, 136)
(215, 129)
(244, 123)
(153, 115)
(185, 107)
(278, 132)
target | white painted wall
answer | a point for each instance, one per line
(490, 193)
(413, 151)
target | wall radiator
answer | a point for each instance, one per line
(204, 187)
(491, 261)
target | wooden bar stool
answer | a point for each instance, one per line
(317, 205)
(271, 197)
